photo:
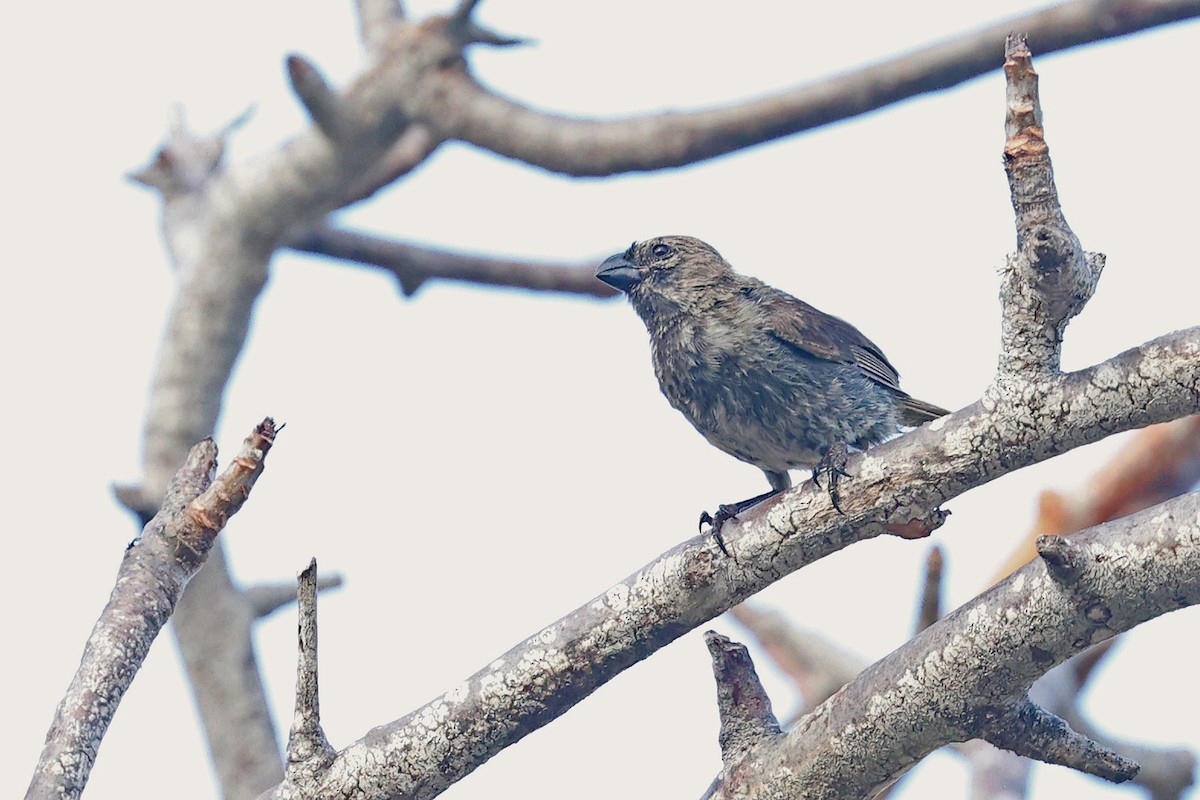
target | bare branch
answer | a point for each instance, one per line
(308, 751)
(1031, 731)
(413, 265)
(156, 567)
(542, 678)
(1161, 462)
(746, 716)
(319, 99)
(1165, 772)
(460, 25)
(459, 108)
(983, 658)
(1060, 277)
(222, 227)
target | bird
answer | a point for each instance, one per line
(762, 375)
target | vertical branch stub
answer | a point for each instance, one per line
(745, 709)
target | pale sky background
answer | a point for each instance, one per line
(479, 462)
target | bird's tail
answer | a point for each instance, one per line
(915, 412)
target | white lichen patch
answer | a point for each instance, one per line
(458, 693)
(979, 616)
(543, 659)
(911, 679)
(951, 653)
(878, 705)
(616, 598)
(1107, 376)
(432, 716)
(491, 682)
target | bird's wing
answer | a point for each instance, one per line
(816, 333)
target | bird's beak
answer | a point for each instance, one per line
(619, 273)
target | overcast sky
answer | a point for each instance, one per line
(479, 462)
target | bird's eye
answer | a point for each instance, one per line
(661, 250)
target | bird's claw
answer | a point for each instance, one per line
(833, 466)
(725, 513)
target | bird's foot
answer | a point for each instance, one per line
(727, 512)
(833, 466)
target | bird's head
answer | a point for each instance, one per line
(666, 268)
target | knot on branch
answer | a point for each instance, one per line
(1064, 559)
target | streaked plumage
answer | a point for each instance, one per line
(765, 377)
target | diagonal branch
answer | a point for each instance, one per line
(966, 676)
(557, 667)
(223, 225)
(156, 567)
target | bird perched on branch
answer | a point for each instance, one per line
(763, 376)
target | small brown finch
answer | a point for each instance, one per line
(763, 376)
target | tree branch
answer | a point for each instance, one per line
(554, 669)
(965, 673)
(308, 751)
(157, 565)
(457, 107)
(413, 265)
(222, 226)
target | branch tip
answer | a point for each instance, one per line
(413, 265)
(462, 13)
(319, 99)
(308, 751)
(743, 705)
(1031, 731)
(466, 30)
(269, 598)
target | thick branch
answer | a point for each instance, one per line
(223, 227)
(459, 108)
(909, 476)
